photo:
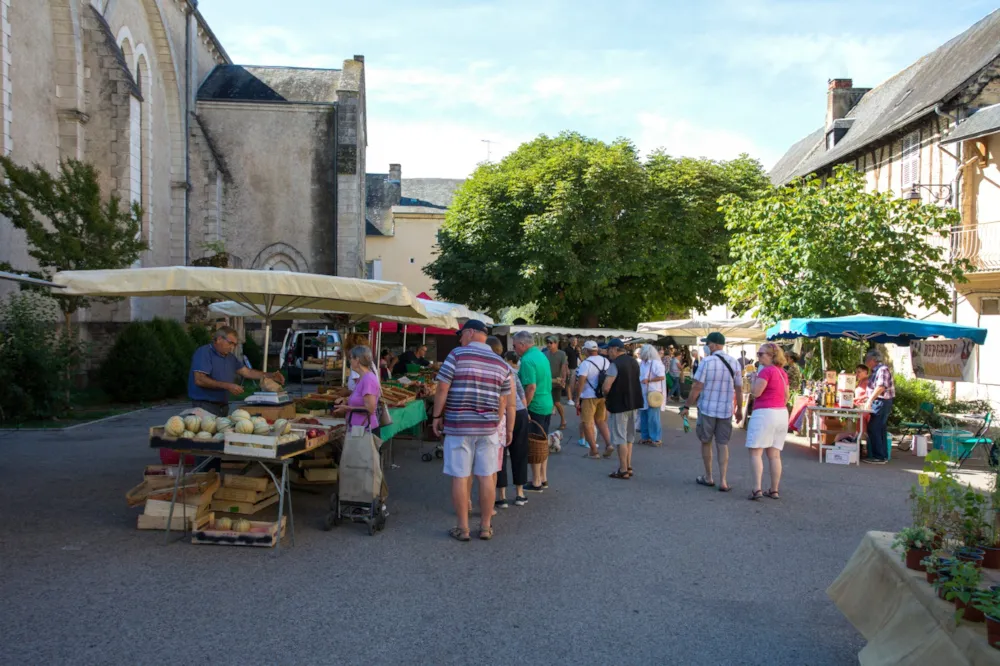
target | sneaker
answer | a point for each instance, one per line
(533, 489)
(545, 484)
(501, 504)
(570, 403)
(874, 461)
(582, 442)
(520, 501)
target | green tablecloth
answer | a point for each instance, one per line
(404, 418)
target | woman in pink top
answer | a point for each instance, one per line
(364, 397)
(769, 421)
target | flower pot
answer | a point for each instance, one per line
(913, 558)
(941, 590)
(966, 557)
(991, 560)
(931, 576)
(971, 613)
(993, 631)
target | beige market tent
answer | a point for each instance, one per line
(234, 309)
(737, 330)
(267, 293)
(507, 329)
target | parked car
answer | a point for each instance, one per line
(300, 345)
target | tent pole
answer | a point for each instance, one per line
(822, 360)
(404, 337)
(267, 340)
(424, 341)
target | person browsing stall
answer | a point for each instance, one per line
(769, 421)
(363, 401)
(415, 356)
(882, 392)
(536, 377)
(214, 369)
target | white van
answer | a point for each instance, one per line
(302, 344)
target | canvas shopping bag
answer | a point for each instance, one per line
(360, 466)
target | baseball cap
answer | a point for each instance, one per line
(590, 344)
(715, 338)
(552, 338)
(475, 325)
(616, 342)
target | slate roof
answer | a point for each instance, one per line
(431, 194)
(371, 229)
(982, 122)
(901, 100)
(242, 83)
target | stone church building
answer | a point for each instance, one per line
(268, 160)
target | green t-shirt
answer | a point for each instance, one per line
(535, 370)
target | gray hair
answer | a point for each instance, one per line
(363, 354)
(649, 353)
(874, 355)
(225, 332)
(524, 338)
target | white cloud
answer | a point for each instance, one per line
(682, 137)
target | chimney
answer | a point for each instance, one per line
(841, 97)
(394, 186)
(395, 172)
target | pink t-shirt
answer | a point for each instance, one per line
(774, 393)
(367, 385)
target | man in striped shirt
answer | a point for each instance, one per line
(474, 387)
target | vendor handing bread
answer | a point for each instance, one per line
(214, 368)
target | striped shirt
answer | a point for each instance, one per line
(717, 395)
(478, 377)
(882, 376)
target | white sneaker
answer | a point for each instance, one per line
(570, 403)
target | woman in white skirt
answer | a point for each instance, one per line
(769, 421)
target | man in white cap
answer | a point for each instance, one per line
(590, 407)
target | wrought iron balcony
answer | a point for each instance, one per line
(979, 244)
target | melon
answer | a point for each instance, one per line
(224, 523)
(192, 423)
(219, 436)
(187, 434)
(174, 426)
(243, 426)
(258, 420)
(240, 414)
(241, 525)
(261, 429)
(209, 424)
(281, 427)
(223, 424)
(203, 435)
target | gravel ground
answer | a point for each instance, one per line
(655, 570)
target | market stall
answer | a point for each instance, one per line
(540, 332)
(690, 331)
(831, 401)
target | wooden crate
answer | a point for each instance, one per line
(266, 536)
(248, 508)
(248, 481)
(324, 474)
(244, 495)
(272, 412)
(161, 508)
(194, 489)
(147, 522)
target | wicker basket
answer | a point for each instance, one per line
(538, 445)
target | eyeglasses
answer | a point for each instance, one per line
(763, 353)
(232, 342)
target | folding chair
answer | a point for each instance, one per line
(918, 426)
(970, 444)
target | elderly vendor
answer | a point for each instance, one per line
(214, 368)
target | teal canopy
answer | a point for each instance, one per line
(875, 329)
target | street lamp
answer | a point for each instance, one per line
(938, 192)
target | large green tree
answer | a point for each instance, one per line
(826, 247)
(69, 225)
(588, 232)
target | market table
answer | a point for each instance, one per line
(283, 487)
(404, 418)
(843, 413)
(900, 614)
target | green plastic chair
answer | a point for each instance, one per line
(969, 445)
(920, 424)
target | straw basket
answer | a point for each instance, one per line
(538, 445)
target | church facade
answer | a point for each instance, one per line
(265, 162)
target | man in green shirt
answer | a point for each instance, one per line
(536, 377)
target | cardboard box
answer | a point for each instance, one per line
(841, 457)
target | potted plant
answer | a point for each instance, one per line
(961, 587)
(934, 565)
(991, 610)
(916, 545)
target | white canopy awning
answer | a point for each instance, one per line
(234, 309)
(460, 312)
(736, 330)
(26, 279)
(507, 329)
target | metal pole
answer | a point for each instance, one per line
(822, 360)
(404, 337)
(424, 341)
(267, 340)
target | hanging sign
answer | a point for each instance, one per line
(944, 360)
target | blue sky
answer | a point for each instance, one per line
(712, 78)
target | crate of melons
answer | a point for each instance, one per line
(265, 440)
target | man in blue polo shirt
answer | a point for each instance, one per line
(214, 368)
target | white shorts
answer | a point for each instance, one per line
(767, 428)
(465, 455)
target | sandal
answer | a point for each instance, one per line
(773, 494)
(630, 473)
(485, 533)
(702, 482)
(593, 456)
(618, 474)
(608, 452)
(755, 495)
(459, 534)
(725, 490)
(657, 443)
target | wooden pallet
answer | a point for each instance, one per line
(244, 495)
(194, 489)
(260, 539)
(248, 481)
(147, 522)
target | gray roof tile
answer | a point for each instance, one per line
(982, 122)
(270, 84)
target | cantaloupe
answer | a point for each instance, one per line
(281, 427)
(224, 523)
(174, 426)
(208, 424)
(204, 434)
(241, 525)
(257, 420)
(192, 423)
(219, 436)
(243, 426)
(223, 424)
(261, 429)
(240, 414)
(187, 434)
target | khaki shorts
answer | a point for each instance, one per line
(709, 428)
(592, 410)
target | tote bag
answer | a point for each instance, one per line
(360, 466)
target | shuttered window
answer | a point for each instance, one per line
(910, 161)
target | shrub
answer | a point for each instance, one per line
(254, 353)
(133, 370)
(200, 335)
(910, 393)
(179, 348)
(33, 359)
